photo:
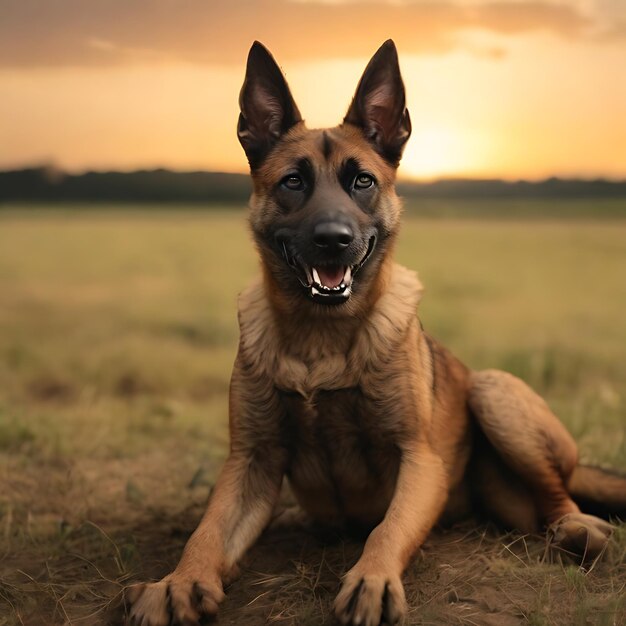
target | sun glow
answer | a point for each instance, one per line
(435, 151)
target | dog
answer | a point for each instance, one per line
(337, 386)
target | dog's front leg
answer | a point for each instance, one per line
(240, 507)
(372, 590)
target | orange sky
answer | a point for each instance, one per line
(495, 88)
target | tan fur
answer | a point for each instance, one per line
(376, 426)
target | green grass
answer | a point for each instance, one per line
(117, 335)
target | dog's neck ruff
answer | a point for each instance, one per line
(315, 362)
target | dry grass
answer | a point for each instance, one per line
(117, 334)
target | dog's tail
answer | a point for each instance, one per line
(599, 491)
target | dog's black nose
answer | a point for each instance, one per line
(334, 236)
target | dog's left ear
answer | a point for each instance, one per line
(267, 107)
(379, 105)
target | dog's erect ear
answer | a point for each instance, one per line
(378, 106)
(267, 108)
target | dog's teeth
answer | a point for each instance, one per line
(348, 275)
(316, 276)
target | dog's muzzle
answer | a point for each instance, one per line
(327, 283)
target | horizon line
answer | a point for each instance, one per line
(402, 178)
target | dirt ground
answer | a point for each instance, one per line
(59, 570)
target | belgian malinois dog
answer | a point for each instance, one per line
(337, 387)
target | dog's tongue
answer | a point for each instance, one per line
(330, 276)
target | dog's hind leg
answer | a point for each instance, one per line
(501, 492)
(541, 456)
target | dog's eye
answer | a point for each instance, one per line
(293, 182)
(363, 181)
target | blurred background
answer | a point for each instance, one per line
(123, 245)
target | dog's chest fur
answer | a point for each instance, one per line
(342, 421)
(343, 457)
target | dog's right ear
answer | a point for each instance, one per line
(267, 107)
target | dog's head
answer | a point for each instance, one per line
(324, 212)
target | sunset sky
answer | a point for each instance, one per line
(504, 88)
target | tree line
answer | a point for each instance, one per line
(48, 184)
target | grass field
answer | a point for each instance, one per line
(117, 335)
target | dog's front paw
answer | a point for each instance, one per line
(370, 599)
(180, 598)
(581, 534)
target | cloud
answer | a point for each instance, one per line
(41, 33)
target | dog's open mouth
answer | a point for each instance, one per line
(328, 284)
(331, 281)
